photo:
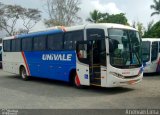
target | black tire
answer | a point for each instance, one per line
(23, 74)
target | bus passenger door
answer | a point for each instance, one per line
(82, 62)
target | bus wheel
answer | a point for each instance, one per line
(76, 82)
(23, 74)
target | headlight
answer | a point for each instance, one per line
(117, 75)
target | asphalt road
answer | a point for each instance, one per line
(46, 94)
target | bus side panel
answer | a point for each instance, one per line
(158, 66)
(12, 62)
(51, 64)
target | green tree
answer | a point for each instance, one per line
(96, 16)
(140, 28)
(116, 18)
(153, 30)
(156, 7)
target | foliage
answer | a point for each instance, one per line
(139, 26)
(116, 18)
(30, 17)
(62, 12)
(156, 7)
(153, 31)
(98, 17)
(9, 18)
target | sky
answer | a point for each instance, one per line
(135, 10)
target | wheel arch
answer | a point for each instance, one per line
(72, 75)
(20, 67)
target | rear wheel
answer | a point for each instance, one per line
(23, 74)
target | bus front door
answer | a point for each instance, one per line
(89, 59)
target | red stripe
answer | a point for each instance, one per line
(25, 61)
(158, 65)
(77, 80)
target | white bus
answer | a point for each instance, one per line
(151, 54)
(105, 55)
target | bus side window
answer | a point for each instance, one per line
(71, 38)
(154, 51)
(82, 53)
(95, 34)
(27, 44)
(159, 46)
(55, 42)
(7, 45)
(16, 45)
(39, 43)
(13, 45)
(77, 36)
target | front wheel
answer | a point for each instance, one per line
(23, 74)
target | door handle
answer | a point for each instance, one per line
(86, 70)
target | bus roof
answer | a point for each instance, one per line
(59, 29)
(104, 25)
(151, 39)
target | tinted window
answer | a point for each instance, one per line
(16, 45)
(39, 43)
(55, 42)
(95, 34)
(146, 50)
(27, 44)
(71, 38)
(154, 51)
(159, 46)
(13, 46)
(7, 45)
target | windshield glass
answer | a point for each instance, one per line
(146, 51)
(125, 48)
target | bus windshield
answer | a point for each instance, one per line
(146, 50)
(125, 48)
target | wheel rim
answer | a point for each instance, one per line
(24, 74)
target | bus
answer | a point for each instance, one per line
(151, 54)
(0, 55)
(104, 55)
